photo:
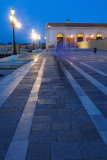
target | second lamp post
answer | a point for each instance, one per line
(34, 37)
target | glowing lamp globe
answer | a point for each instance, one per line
(12, 11)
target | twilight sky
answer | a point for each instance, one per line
(34, 13)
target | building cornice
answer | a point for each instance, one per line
(58, 24)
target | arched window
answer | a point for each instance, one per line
(99, 36)
(59, 35)
(79, 37)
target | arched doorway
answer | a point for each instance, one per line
(59, 40)
(99, 36)
(79, 37)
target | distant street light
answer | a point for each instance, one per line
(16, 24)
(39, 40)
(34, 37)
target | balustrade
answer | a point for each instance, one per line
(8, 49)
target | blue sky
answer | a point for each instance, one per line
(34, 14)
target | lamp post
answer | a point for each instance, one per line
(34, 37)
(45, 42)
(33, 32)
(14, 24)
(39, 40)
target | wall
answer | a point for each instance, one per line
(99, 44)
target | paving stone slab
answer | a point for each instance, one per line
(13, 104)
(7, 127)
(3, 148)
(13, 109)
(43, 137)
(55, 106)
(64, 111)
(42, 119)
(89, 131)
(73, 105)
(45, 112)
(93, 150)
(61, 126)
(80, 117)
(62, 119)
(62, 151)
(41, 127)
(69, 136)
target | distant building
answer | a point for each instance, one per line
(68, 34)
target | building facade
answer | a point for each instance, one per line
(67, 35)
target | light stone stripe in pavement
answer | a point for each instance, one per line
(95, 82)
(18, 147)
(10, 82)
(96, 116)
(96, 70)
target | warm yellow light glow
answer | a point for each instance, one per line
(33, 30)
(45, 37)
(92, 35)
(59, 35)
(39, 37)
(12, 12)
(18, 25)
(11, 18)
(34, 36)
(80, 35)
(36, 59)
(15, 20)
(71, 36)
(99, 35)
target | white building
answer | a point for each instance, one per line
(68, 34)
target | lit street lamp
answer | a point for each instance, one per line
(34, 37)
(16, 24)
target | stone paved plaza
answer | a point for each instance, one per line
(54, 108)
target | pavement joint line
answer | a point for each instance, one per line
(95, 82)
(94, 113)
(10, 82)
(96, 70)
(19, 144)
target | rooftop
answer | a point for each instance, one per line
(57, 24)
